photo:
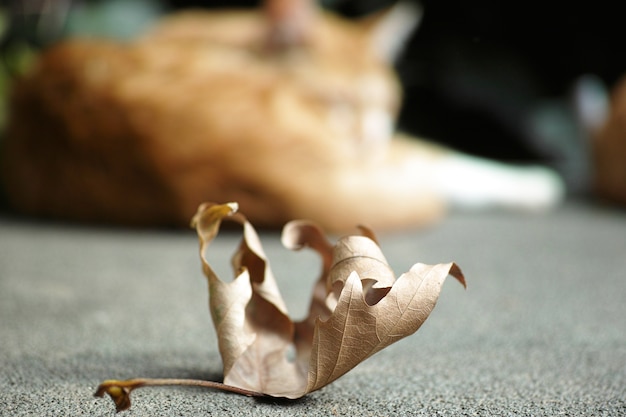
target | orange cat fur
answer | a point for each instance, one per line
(222, 106)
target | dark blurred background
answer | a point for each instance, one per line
(491, 78)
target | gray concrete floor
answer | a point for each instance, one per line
(540, 329)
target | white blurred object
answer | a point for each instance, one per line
(469, 182)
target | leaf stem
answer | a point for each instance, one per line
(119, 391)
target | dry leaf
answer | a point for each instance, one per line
(358, 307)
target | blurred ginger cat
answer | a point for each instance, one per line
(289, 111)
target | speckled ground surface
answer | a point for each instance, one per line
(540, 329)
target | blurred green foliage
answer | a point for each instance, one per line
(15, 57)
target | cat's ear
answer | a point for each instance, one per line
(390, 29)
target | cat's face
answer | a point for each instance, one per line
(339, 75)
(342, 79)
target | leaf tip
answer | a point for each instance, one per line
(211, 212)
(233, 206)
(456, 272)
(118, 393)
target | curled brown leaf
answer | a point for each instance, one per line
(358, 307)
